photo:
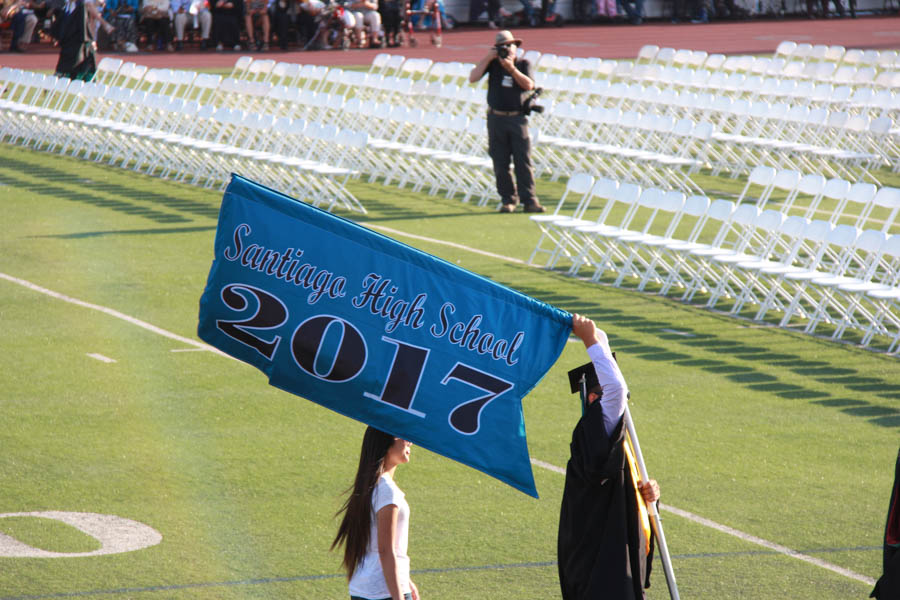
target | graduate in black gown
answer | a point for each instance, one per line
(888, 586)
(605, 545)
(76, 41)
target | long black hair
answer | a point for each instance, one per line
(356, 525)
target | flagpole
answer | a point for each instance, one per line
(652, 509)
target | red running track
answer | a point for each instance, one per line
(468, 44)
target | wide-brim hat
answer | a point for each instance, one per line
(506, 37)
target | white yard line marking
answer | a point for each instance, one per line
(740, 534)
(422, 238)
(676, 332)
(113, 313)
(767, 544)
(548, 466)
(101, 358)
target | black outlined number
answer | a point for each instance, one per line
(404, 376)
(466, 417)
(269, 313)
(345, 363)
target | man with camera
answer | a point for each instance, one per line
(509, 102)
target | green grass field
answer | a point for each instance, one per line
(781, 436)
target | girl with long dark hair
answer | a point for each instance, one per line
(375, 527)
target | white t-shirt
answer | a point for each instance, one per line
(368, 578)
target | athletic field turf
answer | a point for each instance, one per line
(774, 450)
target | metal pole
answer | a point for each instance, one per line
(652, 509)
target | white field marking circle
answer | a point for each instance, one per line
(700, 520)
(740, 534)
(115, 534)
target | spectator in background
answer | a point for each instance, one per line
(838, 5)
(728, 9)
(123, 14)
(427, 20)
(227, 23)
(365, 14)
(182, 10)
(75, 32)
(281, 21)
(257, 9)
(155, 16)
(606, 8)
(494, 11)
(391, 19)
(690, 10)
(634, 9)
(22, 20)
(306, 20)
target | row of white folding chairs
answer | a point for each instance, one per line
(762, 257)
(649, 149)
(813, 196)
(116, 72)
(478, 183)
(860, 205)
(799, 59)
(129, 126)
(470, 169)
(429, 150)
(841, 145)
(435, 150)
(736, 87)
(883, 59)
(375, 117)
(417, 157)
(727, 111)
(750, 134)
(864, 76)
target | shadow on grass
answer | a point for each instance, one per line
(125, 194)
(741, 362)
(114, 232)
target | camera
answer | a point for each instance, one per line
(530, 104)
(502, 50)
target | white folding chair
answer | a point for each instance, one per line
(833, 256)
(579, 184)
(836, 308)
(639, 248)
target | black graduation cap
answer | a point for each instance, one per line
(590, 375)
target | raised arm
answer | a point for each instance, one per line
(612, 382)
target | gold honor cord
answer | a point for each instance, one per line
(641, 504)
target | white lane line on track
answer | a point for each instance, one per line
(113, 313)
(740, 534)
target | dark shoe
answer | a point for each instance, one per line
(535, 208)
(507, 208)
